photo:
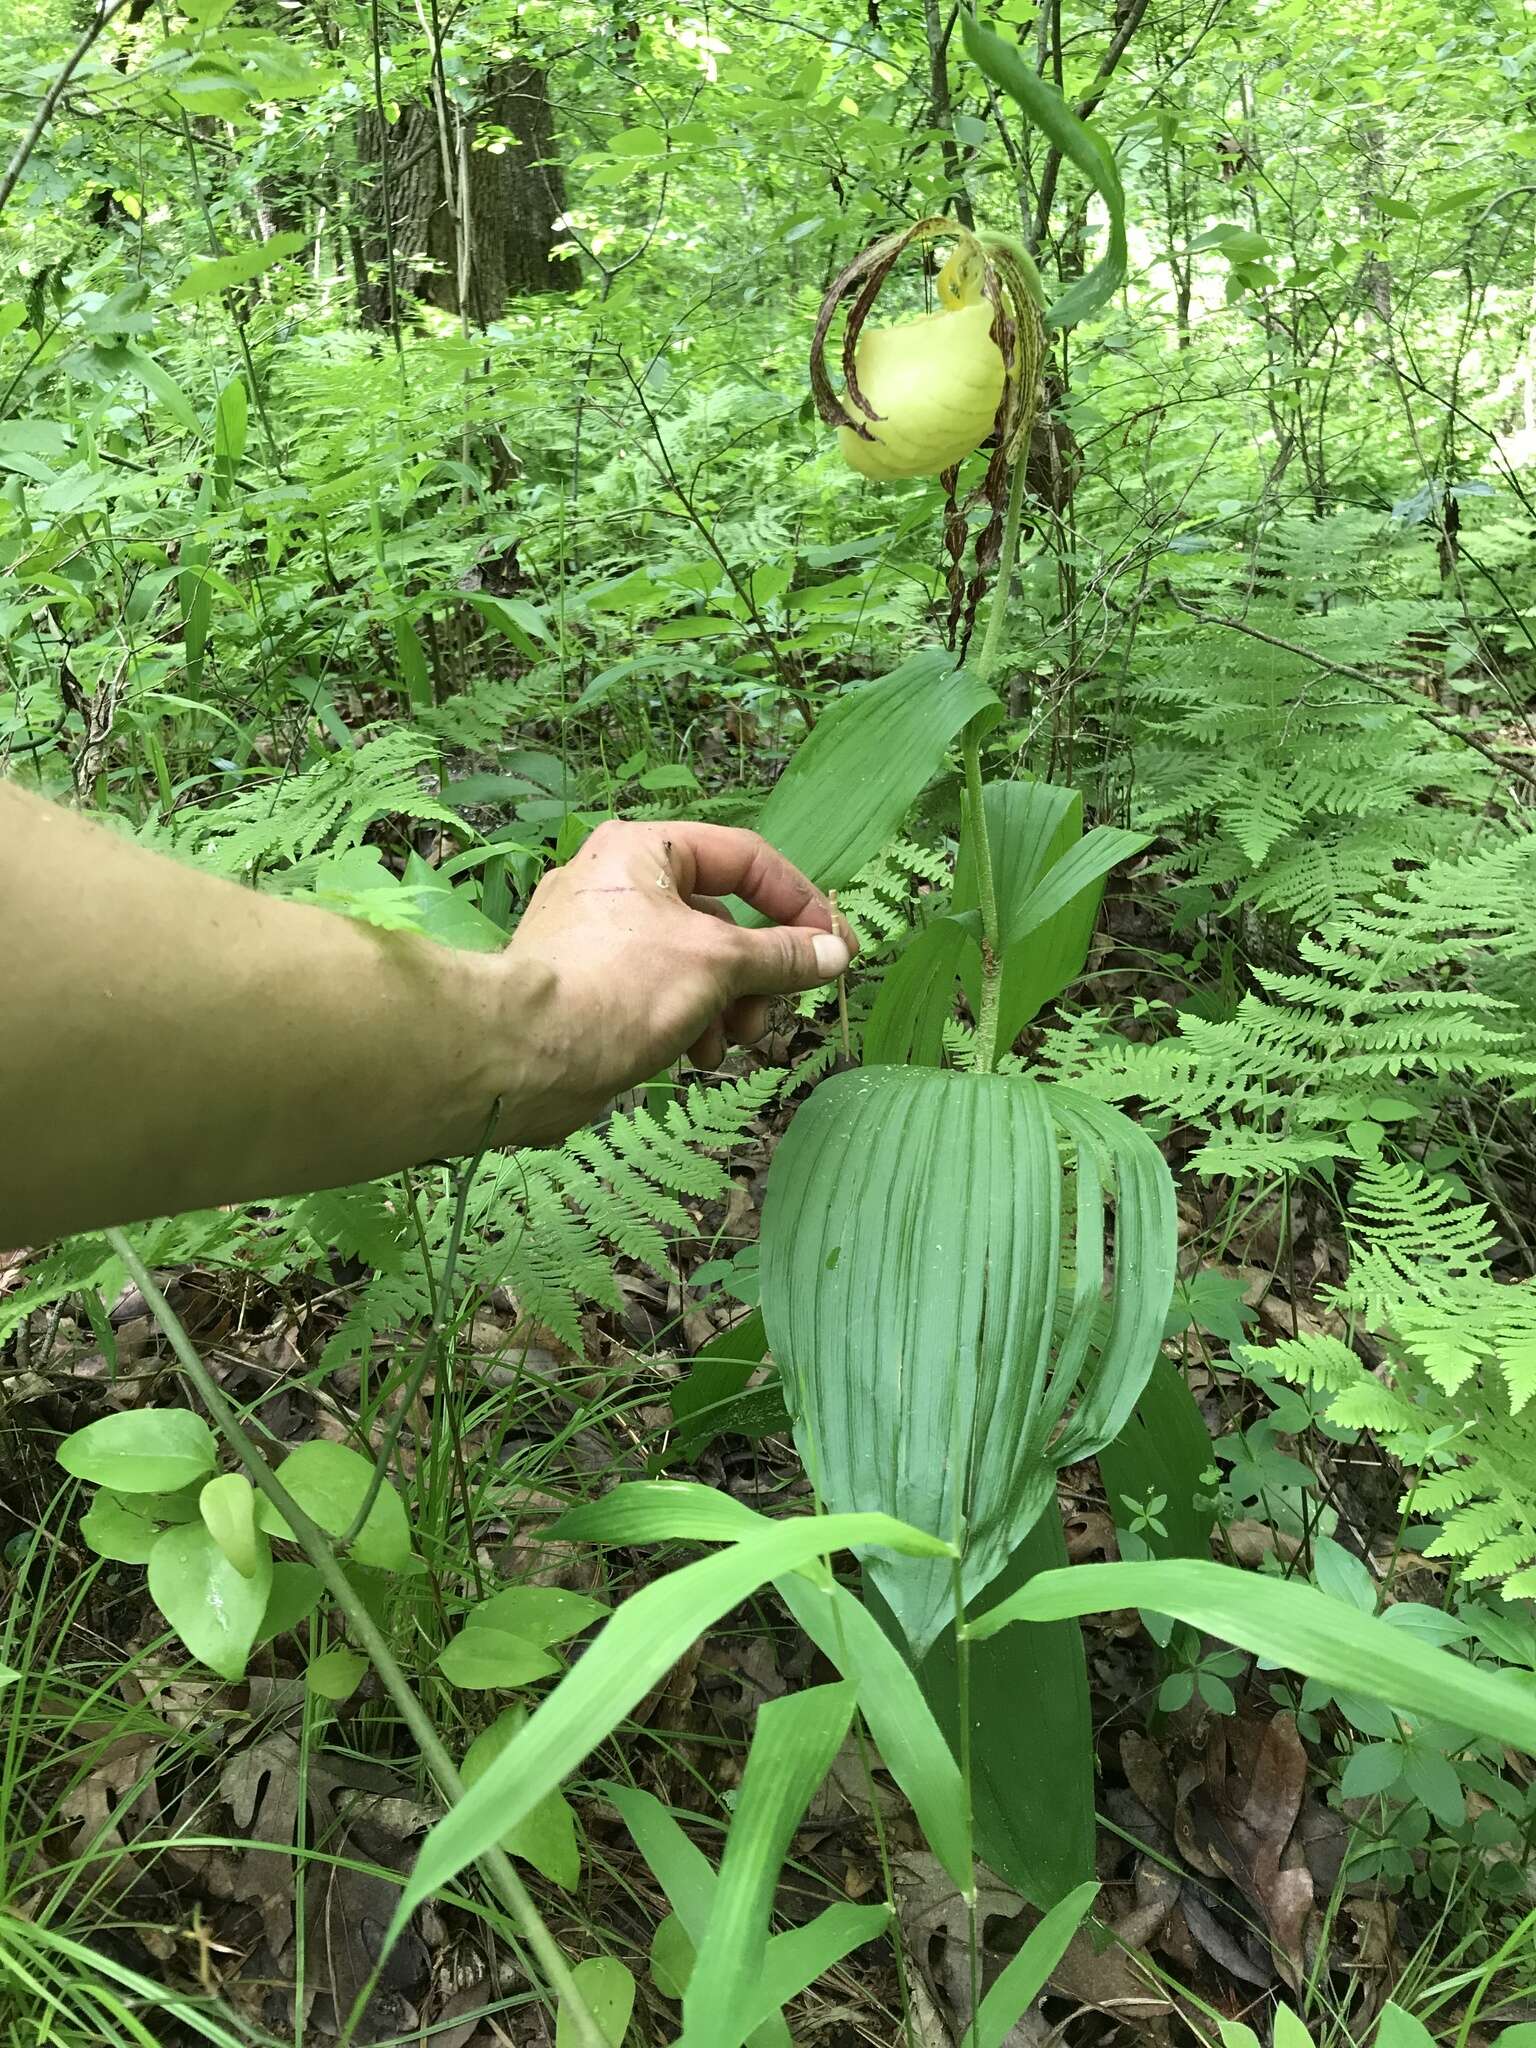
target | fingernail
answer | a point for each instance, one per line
(830, 954)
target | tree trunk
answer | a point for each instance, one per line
(411, 188)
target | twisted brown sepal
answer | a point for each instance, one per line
(866, 273)
(1020, 337)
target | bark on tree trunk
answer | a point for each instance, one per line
(515, 190)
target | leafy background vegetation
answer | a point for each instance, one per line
(406, 462)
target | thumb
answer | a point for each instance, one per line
(781, 960)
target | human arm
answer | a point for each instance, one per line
(169, 1041)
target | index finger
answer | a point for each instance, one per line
(724, 860)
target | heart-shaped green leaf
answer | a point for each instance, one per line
(213, 1608)
(142, 1450)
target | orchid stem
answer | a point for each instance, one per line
(975, 813)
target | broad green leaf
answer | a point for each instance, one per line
(702, 1404)
(872, 753)
(539, 1614)
(1235, 2035)
(800, 1957)
(1049, 880)
(519, 621)
(157, 381)
(1289, 1624)
(672, 1957)
(792, 1960)
(414, 669)
(1163, 1448)
(914, 1244)
(1289, 2031)
(231, 420)
(1032, 1774)
(228, 1509)
(1022, 1982)
(296, 1590)
(213, 1608)
(203, 280)
(1398, 2029)
(330, 1483)
(1043, 105)
(645, 1638)
(485, 1659)
(8, 1676)
(658, 1511)
(792, 1749)
(1030, 827)
(447, 915)
(917, 996)
(336, 1674)
(607, 1990)
(1081, 870)
(114, 1528)
(906, 1734)
(141, 1450)
(546, 1836)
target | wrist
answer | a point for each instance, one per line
(505, 1060)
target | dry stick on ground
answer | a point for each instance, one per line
(53, 95)
(495, 1864)
(1411, 701)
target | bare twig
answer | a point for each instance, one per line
(1411, 702)
(52, 96)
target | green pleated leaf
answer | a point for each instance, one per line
(1290, 1624)
(1049, 881)
(1032, 1793)
(1043, 105)
(914, 1243)
(869, 758)
(1163, 1449)
(643, 1640)
(917, 995)
(792, 1749)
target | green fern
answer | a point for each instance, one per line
(326, 806)
(1454, 1404)
(547, 1224)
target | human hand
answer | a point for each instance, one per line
(625, 959)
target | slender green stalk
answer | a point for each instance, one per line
(997, 611)
(495, 1865)
(976, 820)
(963, 1707)
(986, 893)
